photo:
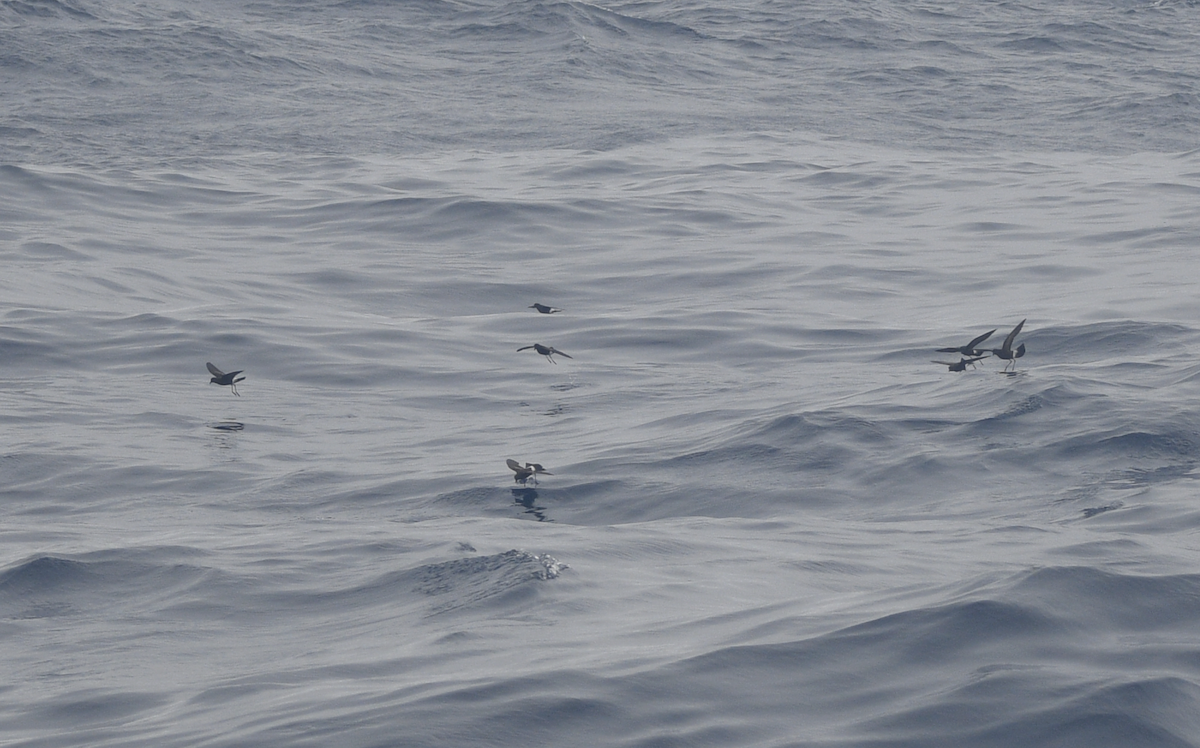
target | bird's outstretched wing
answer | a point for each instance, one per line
(524, 349)
(557, 352)
(214, 370)
(980, 339)
(516, 466)
(1013, 336)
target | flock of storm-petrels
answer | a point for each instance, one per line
(970, 353)
(523, 474)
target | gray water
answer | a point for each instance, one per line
(772, 520)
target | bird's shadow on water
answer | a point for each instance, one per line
(527, 499)
(557, 409)
(224, 438)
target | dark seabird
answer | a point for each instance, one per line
(220, 377)
(526, 472)
(545, 309)
(961, 364)
(1006, 351)
(969, 349)
(546, 350)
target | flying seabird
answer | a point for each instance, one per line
(544, 309)
(528, 471)
(969, 349)
(220, 377)
(1006, 351)
(961, 364)
(546, 350)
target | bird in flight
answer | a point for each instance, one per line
(528, 471)
(546, 350)
(1006, 351)
(220, 377)
(961, 364)
(969, 349)
(544, 309)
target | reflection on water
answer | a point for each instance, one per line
(225, 439)
(527, 498)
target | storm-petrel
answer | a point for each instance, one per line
(546, 350)
(961, 364)
(1006, 351)
(220, 377)
(528, 471)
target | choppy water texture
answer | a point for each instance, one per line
(772, 520)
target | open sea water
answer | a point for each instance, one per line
(772, 520)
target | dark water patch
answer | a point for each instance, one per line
(664, 338)
(1133, 603)
(93, 707)
(747, 456)
(1092, 511)
(48, 9)
(1107, 340)
(473, 498)
(1024, 406)
(236, 693)
(494, 581)
(1137, 477)
(945, 633)
(450, 217)
(22, 347)
(991, 227)
(53, 585)
(1047, 272)
(793, 445)
(51, 251)
(1089, 36)
(45, 574)
(515, 565)
(1133, 238)
(1134, 479)
(1038, 44)
(838, 178)
(973, 714)
(971, 673)
(1101, 550)
(1174, 444)
(801, 429)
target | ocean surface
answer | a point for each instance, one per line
(771, 520)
